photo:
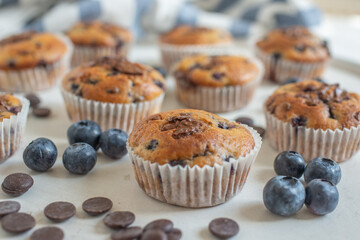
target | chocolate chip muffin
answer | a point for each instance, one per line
(192, 40)
(96, 39)
(9, 106)
(113, 92)
(175, 150)
(314, 119)
(217, 83)
(292, 52)
(32, 61)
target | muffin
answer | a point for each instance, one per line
(314, 119)
(113, 92)
(96, 39)
(217, 83)
(191, 40)
(192, 158)
(13, 116)
(33, 61)
(292, 52)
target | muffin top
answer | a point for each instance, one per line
(192, 35)
(96, 33)
(9, 106)
(29, 50)
(295, 43)
(189, 137)
(215, 71)
(114, 80)
(315, 104)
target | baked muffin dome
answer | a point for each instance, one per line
(9, 106)
(315, 104)
(192, 35)
(189, 137)
(96, 33)
(115, 80)
(296, 44)
(29, 50)
(216, 71)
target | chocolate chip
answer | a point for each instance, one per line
(162, 224)
(119, 45)
(74, 87)
(119, 219)
(159, 84)
(92, 81)
(276, 56)
(152, 145)
(155, 117)
(17, 222)
(223, 228)
(218, 76)
(357, 116)
(127, 234)
(195, 66)
(154, 234)
(15, 110)
(260, 130)
(175, 234)
(97, 205)
(138, 99)
(59, 211)
(113, 73)
(41, 112)
(245, 120)
(331, 115)
(300, 48)
(298, 121)
(42, 63)
(11, 63)
(113, 90)
(8, 207)
(17, 184)
(33, 99)
(177, 162)
(47, 233)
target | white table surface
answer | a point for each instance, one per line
(115, 180)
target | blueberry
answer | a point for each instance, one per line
(79, 158)
(322, 168)
(283, 195)
(322, 197)
(113, 143)
(291, 80)
(40, 155)
(85, 131)
(289, 163)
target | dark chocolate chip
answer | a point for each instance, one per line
(245, 120)
(119, 219)
(162, 224)
(17, 184)
(218, 76)
(155, 117)
(357, 116)
(152, 145)
(97, 205)
(223, 228)
(47, 233)
(113, 73)
(17, 222)
(300, 48)
(113, 90)
(127, 234)
(8, 207)
(331, 115)
(138, 99)
(41, 112)
(298, 121)
(195, 66)
(260, 130)
(42, 63)
(175, 234)
(11, 63)
(276, 56)
(154, 234)
(59, 211)
(33, 99)
(92, 81)
(74, 87)
(159, 84)
(177, 162)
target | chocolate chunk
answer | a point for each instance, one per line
(15, 110)
(260, 130)
(127, 234)
(110, 74)
(152, 145)
(17, 184)
(177, 162)
(17, 222)
(97, 206)
(154, 234)
(59, 211)
(42, 63)
(138, 99)
(92, 81)
(223, 228)
(159, 83)
(184, 125)
(162, 224)
(195, 66)
(119, 219)
(155, 117)
(218, 76)
(41, 112)
(33, 99)
(11, 63)
(8, 207)
(74, 87)
(126, 67)
(175, 234)
(245, 120)
(357, 116)
(300, 48)
(276, 56)
(298, 121)
(47, 233)
(226, 125)
(331, 115)
(113, 90)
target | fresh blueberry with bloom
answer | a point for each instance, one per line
(79, 158)
(322, 168)
(113, 143)
(289, 163)
(322, 197)
(86, 131)
(284, 195)
(40, 155)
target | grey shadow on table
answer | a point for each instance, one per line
(266, 155)
(257, 212)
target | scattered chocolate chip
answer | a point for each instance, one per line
(218, 76)
(152, 145)
(119, 219)
(245, 120)
(8, 207)
(154, 234)
(260, 130)
(17, 184)
(33, 99)
(97, 205)
(223, 228)
(162, 224)
(59, 211)
(41, 112)
(174, 234)
(298, 121)
(47, 233)
(127, 234)
(17, 222)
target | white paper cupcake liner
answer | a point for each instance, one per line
(221, 99)
(279, 70)
(338, 145)
(194, 186)
(110, 115)
(12, 131)
(38, 78)
(171, 54)
(83, 54)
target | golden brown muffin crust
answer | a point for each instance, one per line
(29, 50)
(295, 43)
(96, 33)
(115, 80)
(216, 71)
(315, 105)
(9, 106)
(189, 137)
(192, 35)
